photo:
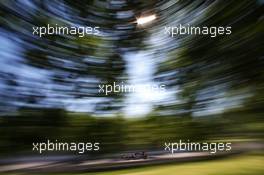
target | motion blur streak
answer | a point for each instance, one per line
(49, 85)
(146, 19)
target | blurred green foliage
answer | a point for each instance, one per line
(116, 134)
(219, 71)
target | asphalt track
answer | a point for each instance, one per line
(104, 164)
(62, 165)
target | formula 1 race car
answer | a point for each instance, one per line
(135, 156)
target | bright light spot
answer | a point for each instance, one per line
(146, 19)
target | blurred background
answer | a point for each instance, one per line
(214, 86)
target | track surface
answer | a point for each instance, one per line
(63, 164)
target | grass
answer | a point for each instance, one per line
(242, 165)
